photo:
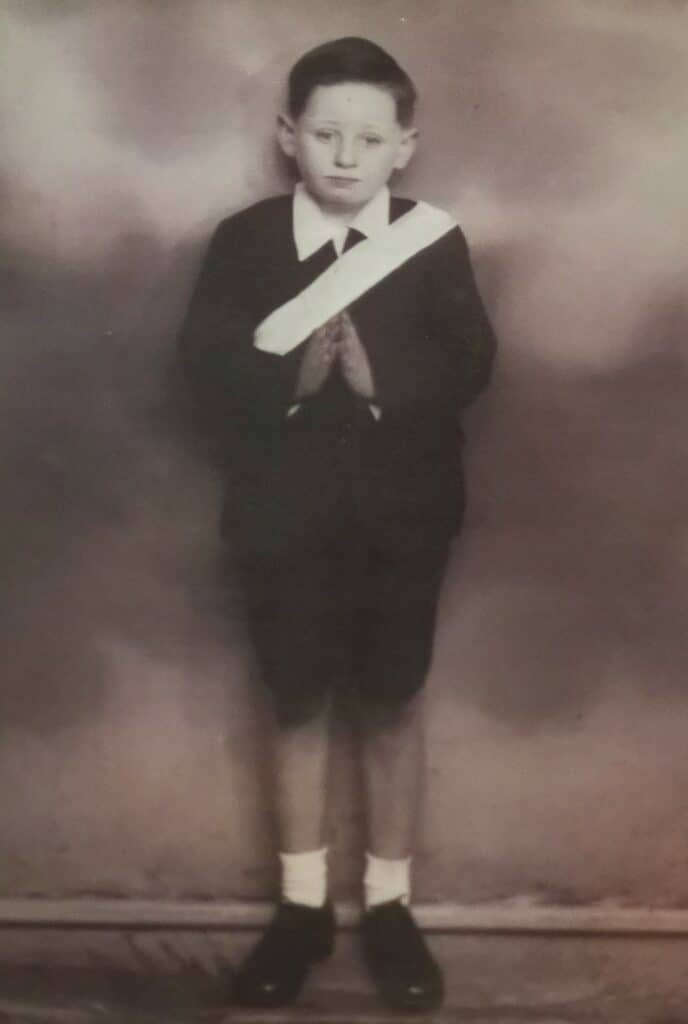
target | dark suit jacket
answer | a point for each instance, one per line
(430, 346)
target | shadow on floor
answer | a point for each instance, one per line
(169, 977)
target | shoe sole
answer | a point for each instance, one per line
(416, 1006)
(267, 1003)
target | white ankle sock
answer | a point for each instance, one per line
(385, 880)
(304, 877)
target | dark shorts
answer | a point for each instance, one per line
(346, 605)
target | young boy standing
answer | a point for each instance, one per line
(336, 334)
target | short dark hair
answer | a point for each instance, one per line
(350, 59)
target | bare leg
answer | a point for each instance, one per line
(400, 963)
(298, 935)
(393, 756)
(300, 755)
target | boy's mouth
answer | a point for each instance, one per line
(339, 181)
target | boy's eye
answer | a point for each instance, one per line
(372, 140)
(323, 134)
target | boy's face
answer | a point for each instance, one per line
(346, 143)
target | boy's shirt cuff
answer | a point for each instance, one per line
(375, 410)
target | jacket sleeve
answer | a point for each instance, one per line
(237, 389)
(451, 359)
(459, 322)
(460, 317)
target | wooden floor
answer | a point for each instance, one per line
(134, 977)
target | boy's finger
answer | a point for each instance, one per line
(349, 333)
(322, 333)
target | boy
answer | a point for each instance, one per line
(335, 335)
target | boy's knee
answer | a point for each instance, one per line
(392, 685)
(390, 709)
(293, 710)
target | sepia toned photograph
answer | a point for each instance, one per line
(344, 518)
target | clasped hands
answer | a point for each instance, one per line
(337, 341)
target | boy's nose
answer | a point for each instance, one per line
(345, 155)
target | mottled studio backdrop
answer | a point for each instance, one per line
(557, 131)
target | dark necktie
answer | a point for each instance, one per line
(353, 236)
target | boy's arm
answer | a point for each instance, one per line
(460, 320)
(237, 388)
(437, 379)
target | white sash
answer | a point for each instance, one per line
(353, 274)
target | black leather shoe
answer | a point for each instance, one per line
(405, 973)
(274, 971)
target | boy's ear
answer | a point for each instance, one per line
(285, 134)
(407, 146)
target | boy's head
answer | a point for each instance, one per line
(349, 121)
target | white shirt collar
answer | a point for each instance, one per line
(313, 228)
